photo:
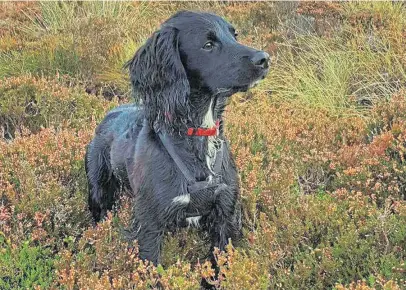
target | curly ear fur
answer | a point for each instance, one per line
(159, 79)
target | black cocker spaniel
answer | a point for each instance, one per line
(169, 151)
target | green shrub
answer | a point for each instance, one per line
(25, 266)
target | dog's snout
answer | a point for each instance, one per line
(261, 59)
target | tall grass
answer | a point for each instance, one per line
(87, 40)
(313, 73)
(62, 16)
(363, 62)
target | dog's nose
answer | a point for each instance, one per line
(260, 59)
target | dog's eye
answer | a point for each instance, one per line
(208, 45)
(235, 35)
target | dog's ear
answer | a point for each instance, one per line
(159, 79)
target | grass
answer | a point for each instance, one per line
(314, 72)
(89, 41)
(360, 64)
(319, 145)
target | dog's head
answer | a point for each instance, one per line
(192, 58)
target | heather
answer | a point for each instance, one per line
(320, 147)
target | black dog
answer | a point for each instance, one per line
(170, 151)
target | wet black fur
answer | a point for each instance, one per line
(175, 77)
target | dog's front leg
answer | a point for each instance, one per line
(223, 223)
(225, 219)
(149, 236)
(150, 246)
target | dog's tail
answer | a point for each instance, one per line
(102, 185)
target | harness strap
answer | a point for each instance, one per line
(171, 150)
(193, 185)
(219, 159)
(199, 185)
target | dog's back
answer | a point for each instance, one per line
(105, 156)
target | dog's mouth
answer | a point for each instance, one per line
(242, 88)
(254, 83)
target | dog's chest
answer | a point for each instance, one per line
(213, 142)
(213, 146)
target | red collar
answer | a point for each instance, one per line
(213, 131)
